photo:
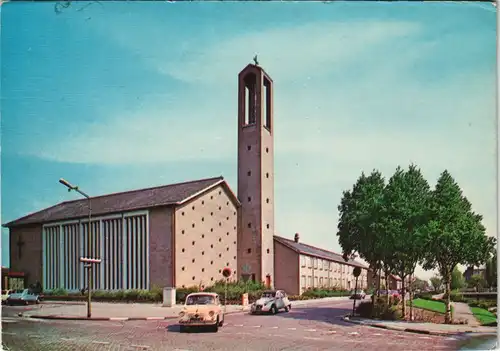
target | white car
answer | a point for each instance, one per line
(271, 302)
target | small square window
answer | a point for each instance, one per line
(249, 250)
(220, 239)
(249, 225)
(268, 251)
(193, 225)
(267, 175)
(227, 233)
(202, 236)
(220, 192)
(193, 260)
(220, 224)
(220, 208)
(203, 269)
(211, 213)
(267, 226)
(227, 263)
(192, 208)
(267, 200)
(220, 255)
(267, 149)
(203, 252)
(182, 231)
(211, 262)
(249, 173)
(227, 248)
(212, 246)
(194, 278)
(183, 250)
(182, 213)
(249, 199)
(193, 243)
(203, 202)
(203, 219)
(234, 257)
(183, 268)
(227, 203)
(211, 229)
(249, 147)
(212, 278)
(211, 197)
(227, 218)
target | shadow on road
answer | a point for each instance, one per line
(176, 328)
(328, 314)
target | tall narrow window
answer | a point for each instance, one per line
(267, 104)
(250, 99)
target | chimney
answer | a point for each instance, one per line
(296, 237)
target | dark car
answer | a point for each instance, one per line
(358, 295)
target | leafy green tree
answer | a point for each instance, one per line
(436, 283)
(491, 271)
(407, 199)
(477, 281)
(455, 234)
(359, 227)
(420, 284)
(457, 279)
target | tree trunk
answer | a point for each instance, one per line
(387, 286)
(447, 316)
(403, 300)
(411, 298)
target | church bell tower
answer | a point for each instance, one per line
(255, 175)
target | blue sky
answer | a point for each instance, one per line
(117, 96)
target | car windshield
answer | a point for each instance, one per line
(269, 294)
(18, 291)
(200, 300)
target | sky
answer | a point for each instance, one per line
(123, 95)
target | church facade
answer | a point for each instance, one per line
(176, 235)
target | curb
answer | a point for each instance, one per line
(408, 330)
(78, 318)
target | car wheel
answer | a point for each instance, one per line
(221, 323)
(215, 328)
(286, 309)
(274, 309)
(37, 301)
(26, 303)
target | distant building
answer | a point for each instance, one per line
(300, 267)
(470, 271)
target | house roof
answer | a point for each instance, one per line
(165, 195)
(316, 252)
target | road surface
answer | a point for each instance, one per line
(309, 328)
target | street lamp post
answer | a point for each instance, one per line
(87, 265)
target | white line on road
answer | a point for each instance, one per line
(8, 333)
(424, 337)
(377, 334)
(276, 335)
(101, 342)
(256, 326)
(34, 336)
(155, 318)
(353, 333)
(275, 327)
(141, 346)
(238, 325)
(292, 328)
(310, 338)
(67, 339)
(310, 330)
(331, 332)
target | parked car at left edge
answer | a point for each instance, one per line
(24, 297)
(5, 295)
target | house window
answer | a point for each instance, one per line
(321, 281)
(315, 263)
(309, 281)
(303, 262)
(309, 263)
(303, 281)
(315, 281)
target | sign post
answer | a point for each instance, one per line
(356, 272)
(226, 272)
(87, 263)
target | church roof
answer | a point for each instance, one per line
(165, 195)
(316, 252)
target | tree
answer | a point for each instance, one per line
(359, 227)
(420, 284)
(436, 283)
(491, 271)
(455, 234)
(407, 199)
(457, 279)
(477, 282)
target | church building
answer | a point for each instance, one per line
(175, 235)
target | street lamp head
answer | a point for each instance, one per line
(66, 184)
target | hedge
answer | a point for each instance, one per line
(235, 290)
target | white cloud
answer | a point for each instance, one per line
(346, 100)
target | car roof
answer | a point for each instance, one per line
(203, 294)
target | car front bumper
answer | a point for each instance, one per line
(260, 309)
(197, 323)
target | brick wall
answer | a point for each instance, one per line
(30, 261)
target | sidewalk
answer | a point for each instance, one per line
(134, 311)
(421, 328)
(461, 311)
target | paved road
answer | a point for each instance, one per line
(309, 328)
